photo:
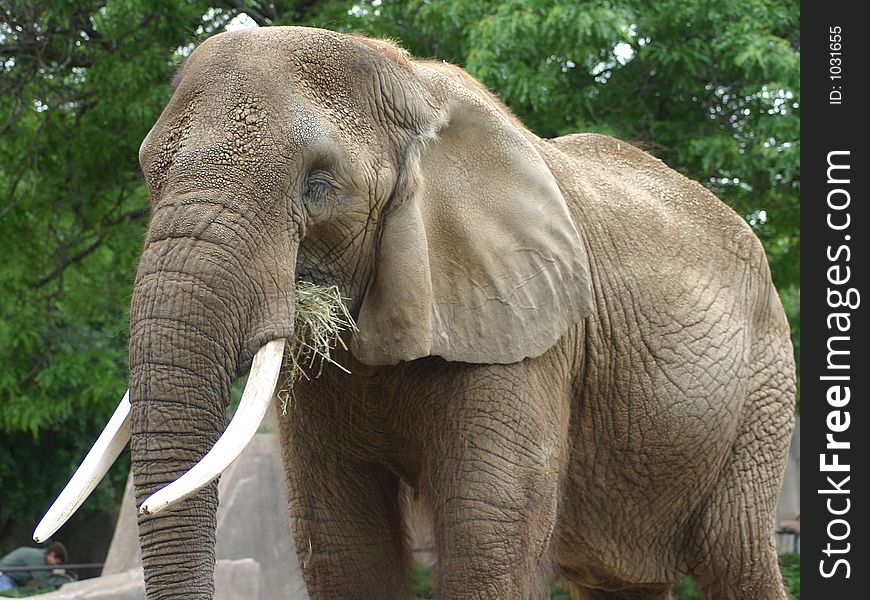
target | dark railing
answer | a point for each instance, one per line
(53, 567)
(90, 569)
(788, 540)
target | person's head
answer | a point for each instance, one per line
(55, 554)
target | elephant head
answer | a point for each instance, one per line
(291, 154)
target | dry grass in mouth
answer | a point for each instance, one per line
(321, 316)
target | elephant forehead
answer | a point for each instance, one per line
(242, 97)
(271, 50)
(341, 80)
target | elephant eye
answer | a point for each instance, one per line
(318, 186)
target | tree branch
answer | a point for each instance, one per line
(256, 15)
(57, 272)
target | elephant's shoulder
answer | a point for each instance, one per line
(626, 178)
(616, 182)
(618, 155)
(597, 146)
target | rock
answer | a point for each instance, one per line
(234, 580)
(252, 522)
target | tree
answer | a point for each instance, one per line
(82, 82)
(711, 89)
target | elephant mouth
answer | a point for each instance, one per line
(262, 381)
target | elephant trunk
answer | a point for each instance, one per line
(193, 325)
(181, 374)
(177, 545)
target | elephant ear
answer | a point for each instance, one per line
(479, 260)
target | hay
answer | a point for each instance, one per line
(321, 316)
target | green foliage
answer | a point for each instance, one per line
(712, 89)
(686, 590)
(421, 579)
(19, 593)
(558, 591)
(25, 592)
(790, 564)
(82, 82)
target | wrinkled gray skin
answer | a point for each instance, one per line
(571, 354)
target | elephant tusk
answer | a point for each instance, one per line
(255, 401)
(92, 470)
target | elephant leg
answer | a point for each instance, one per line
(657, 592)
(494, 495)
(738, 558)
(762, 581)
(494, 546)
(348, 535)
(346, 524)
(735, 571)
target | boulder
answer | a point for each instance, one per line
(234, 580)
(252, 522)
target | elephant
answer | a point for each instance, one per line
(572, 356)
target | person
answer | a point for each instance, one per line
(52, 555)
